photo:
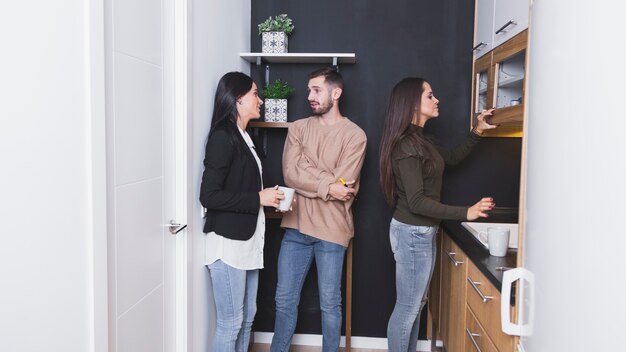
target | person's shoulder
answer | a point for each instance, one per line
(222, 134)
(404, 149)
(355, 129)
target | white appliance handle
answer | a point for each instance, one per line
(525, 277)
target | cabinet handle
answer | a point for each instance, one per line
(478, 46)
(453, 259)
(480, 293)
(506, 25)
(471, 337)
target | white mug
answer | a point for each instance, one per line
(285, 204)
(497, 239)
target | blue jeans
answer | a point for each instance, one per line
(296, 254)
(235, 300)
(414, 250)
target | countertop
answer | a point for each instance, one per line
(478, 254)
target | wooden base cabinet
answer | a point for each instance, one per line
(452, 299)
(483, 299)
(463, 304)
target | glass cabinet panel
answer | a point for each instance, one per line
(482, 79)
(510, 81)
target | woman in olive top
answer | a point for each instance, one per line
(411, 169)
(232, 192)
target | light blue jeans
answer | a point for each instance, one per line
(414, 250)
(297, 251)
(235, 300)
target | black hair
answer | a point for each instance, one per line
(231, 87)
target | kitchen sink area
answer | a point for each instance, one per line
(476, 228)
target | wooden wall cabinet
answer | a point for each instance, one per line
(498, 21)
(498, 83)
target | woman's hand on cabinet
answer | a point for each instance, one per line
(482, 124)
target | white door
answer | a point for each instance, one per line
(145, 142)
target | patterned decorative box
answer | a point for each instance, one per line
(275, 110)
(274, 42)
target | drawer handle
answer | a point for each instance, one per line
(479, 45)
(506, 25)
(480, 293)
(471, 337)
(453, 259)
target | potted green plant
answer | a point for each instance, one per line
(274, 33)
(276, 94)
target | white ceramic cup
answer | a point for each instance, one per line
(285, 204)
(498, 240)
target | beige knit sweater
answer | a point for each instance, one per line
(315, 156)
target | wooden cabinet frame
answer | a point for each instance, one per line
(510, 119)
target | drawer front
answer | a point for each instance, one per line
(484, 300)
(476, 339)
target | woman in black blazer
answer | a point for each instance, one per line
(232, 192)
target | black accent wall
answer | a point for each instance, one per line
(392, 40)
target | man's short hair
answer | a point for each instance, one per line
(331, 76)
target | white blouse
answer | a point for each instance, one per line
(243, 255)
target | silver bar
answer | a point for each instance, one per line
(480, 293)
(471, 336)
(453, 259)
(506, 25)
(267, 74)
(175, 228)
(479, 45)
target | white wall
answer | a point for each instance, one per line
(576, 170)
(221, 30)
(51, 149)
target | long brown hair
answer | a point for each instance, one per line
(404, 101)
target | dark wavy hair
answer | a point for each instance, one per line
(231, 87)
(404, 101)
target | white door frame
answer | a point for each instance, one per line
(181, 116)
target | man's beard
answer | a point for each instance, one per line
(322, 109)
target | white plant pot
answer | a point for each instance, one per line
(275, 110)
(274, 42)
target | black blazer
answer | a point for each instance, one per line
(230, 184)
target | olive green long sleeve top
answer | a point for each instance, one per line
(419, 190)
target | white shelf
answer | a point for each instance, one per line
(511, 81)
(300, 58)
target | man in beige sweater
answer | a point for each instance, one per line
(320, 152)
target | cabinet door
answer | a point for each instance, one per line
(483, 42)
(482, 86)
(509, 72)
(476, 337)
(452, 313)
(484, 301)
(434, 292)
(511, 17)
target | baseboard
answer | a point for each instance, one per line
(357, 342)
